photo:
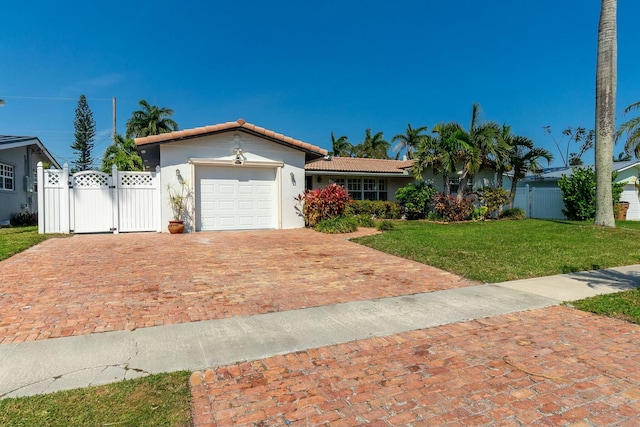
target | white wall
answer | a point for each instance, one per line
(630, 194)
(176, 155)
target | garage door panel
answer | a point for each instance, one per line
(236, 198)
(247, 189)
(227, 206)
(226, 189)
(263, 205)
(246, 205)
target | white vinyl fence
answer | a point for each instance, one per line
(96, 202)
(543, 203)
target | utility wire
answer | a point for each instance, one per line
(52, 98)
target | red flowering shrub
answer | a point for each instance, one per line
(450, 209)
(323, 203)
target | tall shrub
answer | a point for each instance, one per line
(494, 198)
(375, 209)
(416, 199)
(579, 193)
(451, 208)
(323, 203)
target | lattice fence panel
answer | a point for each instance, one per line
(136, 180)
(91, 180)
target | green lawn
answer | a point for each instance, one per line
(156, 400)
(17, 239)
(620, 305)
(497, 251)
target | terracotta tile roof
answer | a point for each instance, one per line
(355, 164)
(240, 124)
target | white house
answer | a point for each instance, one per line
(240, 176)
(19, 156)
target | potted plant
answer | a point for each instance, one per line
(179, 202)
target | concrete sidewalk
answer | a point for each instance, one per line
(64, 363)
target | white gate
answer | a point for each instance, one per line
(91, 202)
(542, 203)
(96, 202)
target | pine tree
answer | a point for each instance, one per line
(85, 132)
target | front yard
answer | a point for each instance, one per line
(492, 251)
(497, 251)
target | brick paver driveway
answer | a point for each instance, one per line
(97, 283)
(547, 367)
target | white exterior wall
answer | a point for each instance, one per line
(175, 156)
(21, 199)
(630, 194)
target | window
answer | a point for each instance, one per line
(365, 188)
(454, 184)
(354, 187)
(6, 177)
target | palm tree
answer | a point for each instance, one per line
(632, 128)
(501, 164)
(122, 153)
(410, 141)
(373, 146)
(606, 77)
(483, 146)
(150, 120)
(524, 158)
(442, 152)
(340, 147)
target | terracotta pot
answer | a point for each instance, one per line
(621, 210)
(176, 227)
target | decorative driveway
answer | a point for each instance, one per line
(548, 367)
(97, 283)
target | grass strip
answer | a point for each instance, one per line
(155, 400)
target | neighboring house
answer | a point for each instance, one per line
(364, 179)
(540, 196)
(19, 156)
(241, 176)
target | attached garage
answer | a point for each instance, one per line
(240, 176)
(232, 198)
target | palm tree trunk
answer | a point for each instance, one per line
(606, 76)
(512, 194)
(445, 185)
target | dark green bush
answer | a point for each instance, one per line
(365, 220)
(374, 208)
(386, 225)
(416, 199)
(513, 213)
(579, 193)
(336, 225)
(23, 219)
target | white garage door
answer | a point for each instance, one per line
(236, 198)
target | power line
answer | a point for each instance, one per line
(52, 98)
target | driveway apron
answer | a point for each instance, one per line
(99, 283)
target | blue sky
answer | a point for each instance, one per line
(306, 68)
